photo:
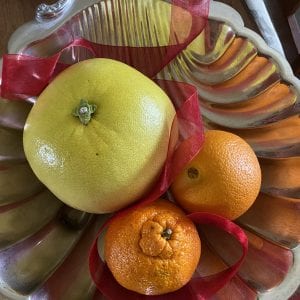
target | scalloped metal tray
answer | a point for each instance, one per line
(244, 87)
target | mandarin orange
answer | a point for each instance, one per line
(224, 178)
(152, 250)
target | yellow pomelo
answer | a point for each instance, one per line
(118, 155)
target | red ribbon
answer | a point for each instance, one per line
(205, 287)
(26, 76)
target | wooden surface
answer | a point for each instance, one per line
(14, 13)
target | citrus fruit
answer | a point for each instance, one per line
(98, 135)
(224, 178)
(152, 250)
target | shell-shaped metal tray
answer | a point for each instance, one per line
(244, 87)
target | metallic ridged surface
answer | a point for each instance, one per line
(266, 264)
(211, 44)
(286, 186)
(73, 272)
(269, 107)
(276, 218)
(25, 266)
(24, 219)
(17, 182)
(250, 81)
(243, 87)
(224, 68)
(280, 140)
(11, 146)
(212, 263)
(13, 113)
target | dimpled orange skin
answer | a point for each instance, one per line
(144, 261)
(224, 178)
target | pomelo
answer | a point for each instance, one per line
(98, 135)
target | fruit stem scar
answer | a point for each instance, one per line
(84, 111)
(167, 233)
(193, 173)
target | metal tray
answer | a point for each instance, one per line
(244, 87)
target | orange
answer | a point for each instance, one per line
(98, 135)
(224, 178)
(152, 250)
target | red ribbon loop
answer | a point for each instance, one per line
(206, 287)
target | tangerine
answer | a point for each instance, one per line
(224, 178)
(152, 250)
